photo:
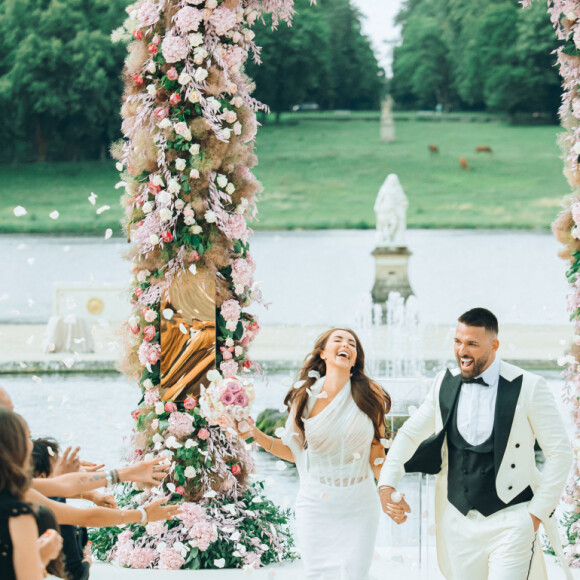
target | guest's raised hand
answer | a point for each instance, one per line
(151, 472)
(157, 510)
(91, 467)
(49, 546)
(104, 500)
(68, 462)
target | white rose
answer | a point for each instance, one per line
(200, 51)
(237, 128)
(153, 239)
(226, 133)
(180, 164)
(195, 230)
(179, 203)
(200, 75)
(214, 104)
(193, 97)
(239, 289)
(231, 88)
(210, 216)
(194, 174)
(189, 472)
(576, 148)
(198, 60)
(196, 39)
(147, 207)
(150, 316)
(157, 180)
(249, 34)
(148, 384)
(189, 220)
(142, 275)
(151, 67)
(165, 124)
(152, 90)
(184, 78)
(237, 101)
(230, 188)
(222, 180)
(173, 186)
(163, 196)
(182, 129)
(230, 116)
(167, 453)
(194, 149)
(236, 37)
(211, 4)
(165, 214)
(239, 350)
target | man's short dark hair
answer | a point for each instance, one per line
(41, 456)
(480, 317)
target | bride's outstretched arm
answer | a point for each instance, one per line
(271, 444)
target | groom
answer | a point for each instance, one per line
(476, 430)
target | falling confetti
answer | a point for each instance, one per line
(36, 379)
(21, 247)
(379, 461)
(30, 261)
(314, 375)
(182, 328)
(323, 395)
(103, 209)
(167, 314)
(66, 248)
(219, 563)
(108, 233)
(30, 339)
(280, 465)
(30, 302)
(19, 211)
(92, 198)
(54, 215)
(4, 297)
(120, 184)
(280, 432)
(193, 269)
(68, 362)
(119, 166)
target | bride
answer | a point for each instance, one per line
(333, 434)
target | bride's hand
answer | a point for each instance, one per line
(397, 509)
(245, 428)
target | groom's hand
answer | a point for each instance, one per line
(397, 511)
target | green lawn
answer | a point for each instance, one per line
(326, 174)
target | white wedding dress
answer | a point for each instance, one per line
(337, 508)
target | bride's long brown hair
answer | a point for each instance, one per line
(369, 396)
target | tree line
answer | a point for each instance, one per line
(60, 75)
(485, 55)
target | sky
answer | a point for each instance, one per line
(378, 24)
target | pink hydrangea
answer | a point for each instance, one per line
(155, 528)
(191, 513)
(149, 353)
(229, 368)
(141, 558)
(148, 14)
(236, 228)
(151, 397)
(253, 560)
(180, 424)
(231, 310)
(242, 272)
(223, 20)
(188, 19)
(170, 560)
(174, 48)
(234, 56)
(203, 533)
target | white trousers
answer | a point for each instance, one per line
(497, 547)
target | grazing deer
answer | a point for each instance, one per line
(483, 149)
(463, 163)
(434, 150)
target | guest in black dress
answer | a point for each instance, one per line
(20, 547)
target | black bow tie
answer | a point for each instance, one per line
(478, 380)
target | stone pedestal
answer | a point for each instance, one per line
(387, 130)
(391, 273)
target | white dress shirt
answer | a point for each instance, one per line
(476, 406)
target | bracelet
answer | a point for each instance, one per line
(116, 478)
(143, 514)
(383, 487)
(109, 478)
(271, 444)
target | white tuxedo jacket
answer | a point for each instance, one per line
(525, 412)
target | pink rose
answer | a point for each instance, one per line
(194, 256)
(236, 469)
(138, 80)
(174, 98)
(137, 34)
(227, 398)
(152, 49)
(167, 237)
(234, 387)
(149, 333)
(226, 353)
(170, 407)
(190, 403)
(203, 434)
(152, 187)
(180, 490)
(156, 39)
(172, 74)
(242, 399)
(154, 354)
(229, 368)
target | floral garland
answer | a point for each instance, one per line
(565, 16)
(189, 125)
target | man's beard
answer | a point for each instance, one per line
(477, 369)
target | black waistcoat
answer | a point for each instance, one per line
(471, 476)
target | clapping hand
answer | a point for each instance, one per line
(396, 510)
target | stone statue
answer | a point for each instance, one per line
(387, 120)
(391, 214)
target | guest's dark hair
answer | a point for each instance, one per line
(369, 396)
(46, 520)
(43, 450)
(480, 317)
(15, 472)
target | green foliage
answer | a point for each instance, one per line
(269, 420)
(60, 77)
(490, 54)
